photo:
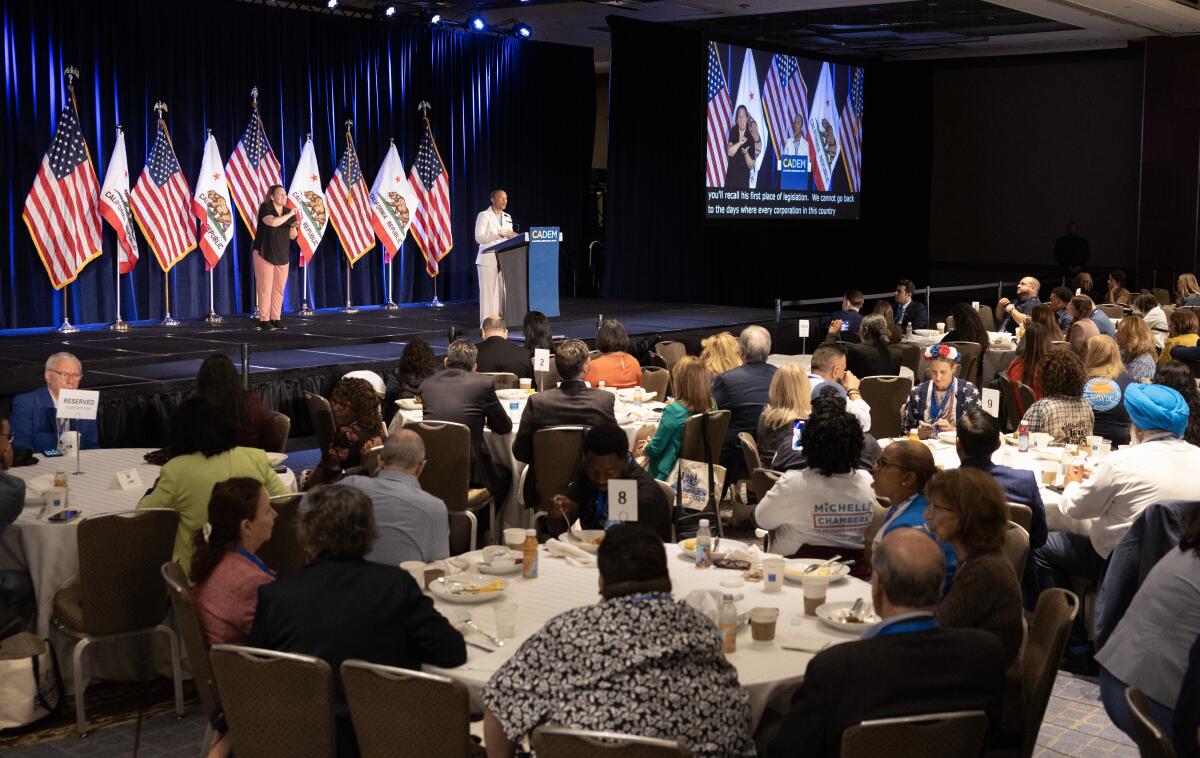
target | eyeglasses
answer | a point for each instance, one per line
(66, 375)
(883, 463)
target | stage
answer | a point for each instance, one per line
(145, 372)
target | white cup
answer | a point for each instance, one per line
(56, 500)
(527, 385)
(1093, 442)
(1049, 472)
(1041, 439)
(506, 620)
(68, 444)
(416, 569)
(514, 538)
(815, 588)
(1105, 448)
(773, 568)
(941, 327)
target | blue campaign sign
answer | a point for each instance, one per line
(543, 269)
(795, 173)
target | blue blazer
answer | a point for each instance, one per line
(35, 423)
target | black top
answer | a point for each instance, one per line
(737, 173)
(271, 242)
(498, 354)
(654, 510)
(469, 399)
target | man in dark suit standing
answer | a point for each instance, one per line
(498, 353)
(907, 309)
(848, 316)
(458, 394)
(743, 392)
(906, 666)
(572, 403)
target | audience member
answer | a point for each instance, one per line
(497, 353)
(967, 510)
(1187, 290)
(571, 403)
(638, 662)
(829, 369)
(1025, 368)
(218, 381)
(1104, 389)
(899, 480)
(791, 457)
(824, 509)
(1165, 612)
(1116, 292)
(884, 308)
(204, 451)
(458, 394)
(935, 404)
(614, 367)
(1147, 306)
(1187, 709)
(226, 572)
(342, 606)
(1027, 298)
(692, 386)
(1044, 314)
(16, 586)
(1083, 284)
(744, 391)
(417, 363)
(1179, 378)
(1060, 300)
(908, 665)
(535, 328)
(1137, 348)
(848, 316)
(968, 327)
(358, 427)
(870, 356)
(909, 311)
(720, 353)
(978, 437)
(1062, 412)
(35, 424)
(412, 524)
(790, 402)
(1103, 323)
(1183, 333)
(1083, 327)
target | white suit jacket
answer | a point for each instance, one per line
(487, 230)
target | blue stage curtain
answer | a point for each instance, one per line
(516, 114)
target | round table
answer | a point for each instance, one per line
(766, 671)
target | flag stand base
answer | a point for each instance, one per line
(435, 303)
(305, 311)
(168, 320)
(118, 326)
(67, 327)
(213, 318)
(348, 308)
(390, 306)
(256, 315)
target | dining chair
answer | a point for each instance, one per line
(559, 742)
(671, 352)
(883, 394)
(656, 380)
(1021, 515)
(321, 414)
(447, 473)
(1047, 638)
(392, 707)
(502, 380)
(1113, 310)
(281, 427)
(283, 553)
(987, 317)
(1016, 547)
(761, 481)
(557, 451)
(957, 734)
(968, 368)
(195, 644)
(711, 426)
(278, 705)
(1152, 742)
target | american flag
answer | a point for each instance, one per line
(162, 202)
(349, 206)
(63, 210)
(431, 224)
(719, 118)
(851, 130)
(251, 171)
(786, 96)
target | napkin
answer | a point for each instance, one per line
(37, 486)
(704, 602)
(457, 565)
(573, 555)
(750, 553)
(805, 643)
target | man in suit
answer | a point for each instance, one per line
(572, 403)
(906, 666)
(743, 392)
(35, 416)
(458, 394)
(849, 316)
(498, 353)
(907, 310)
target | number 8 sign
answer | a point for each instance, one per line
(622, 499)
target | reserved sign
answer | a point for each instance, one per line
(81, 404)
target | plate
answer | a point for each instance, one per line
(832, 614)
(442, 588)
(582, 538)
(512, 394)
(927, 332)
(487, 568)
(793, 571)
(276, 458)
(689, 548)
(949, 438)
(629, 395)
(409, 404)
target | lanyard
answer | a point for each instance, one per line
(910, 625)
(253, 559)
(936, 408)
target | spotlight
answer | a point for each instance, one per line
(331, 4)
(390, 11)
(477, 23)
(435, 18)
(525, 31)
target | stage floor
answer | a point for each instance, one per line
(151, 354)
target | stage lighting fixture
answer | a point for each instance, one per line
(390, 11)
(525, 31)
(331, 4)
(435, 18)
(477, 23)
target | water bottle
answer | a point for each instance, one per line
(1023, 437)
(908, 329)
(703, 545)
(529, 568)
(727, 621)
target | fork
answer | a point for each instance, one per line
(494, 640)
(814, 566)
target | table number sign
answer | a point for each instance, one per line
(128, 480)
(78, 404)
(541, 359)
(622, 500)
(991, 401)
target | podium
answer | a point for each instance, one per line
(528, 266)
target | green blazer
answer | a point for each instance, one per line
(663, 449)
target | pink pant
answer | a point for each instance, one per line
(269, 280)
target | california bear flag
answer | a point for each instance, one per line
(307, 197)
(393, 203)
(211, 205)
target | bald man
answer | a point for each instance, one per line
(906, 665)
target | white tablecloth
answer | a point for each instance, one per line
(767, 672)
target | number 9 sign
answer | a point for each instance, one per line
(991, 401)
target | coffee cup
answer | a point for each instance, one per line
(1041, 439)
(1049, 472)
(773, 568)
(527, 385)
(514, 538)
(416, 570)
(941, 327)
(1093, 443)
(815, 588)
(762, 623)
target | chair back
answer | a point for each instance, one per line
(693, 436)
(552, 376)
(1044, 645)
(910, 356)
(447, 473)
(671, 352)
(278, 705)
(969, 353)
(502, 380)
(556, 454)
(370, 459)
(281, 427)
(1152, 742)
(1016, 548)
(1060, 345)
(1021, 515)
(761, 482)
(750, 451)
(557, 742)
(958, 734)
(1113, 310)
(1009, 415)
(195, 642)
(321, 414)
(120, 557)
(985, 315)
(884, 394)
(393, 707)
(283, 553)
(656, 380)
(1161, 295)
(1026, 396)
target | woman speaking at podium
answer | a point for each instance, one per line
(491, 225)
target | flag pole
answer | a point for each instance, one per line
(305, 310)
(349, 308)
(255, 315)
(390, 305)
(424, 107)
(212, 317)
(71, 73)
(168, 320)
(119, 325)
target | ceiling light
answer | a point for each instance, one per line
(435, 18)
(390, 11)
(525, 31)
(477, 23)
(331, 4)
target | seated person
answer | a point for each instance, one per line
(692, 385)
(35, 424)
(968, 327)
(1084, 325)
(744, 391)
(1009, 315)
(1187, 291)
(219, 381)
(720, 352)
(822, 510)
(1060, 299)
(203, 452)
(791, 457)
(497, 353)
(935, 404)
(908, 312)
(358, 427)
(1147, 306)
(1116, 292)
(829, 365)
(899, 479)
(1044, 314)
(16, 587)
(417, 363)
(413, 525)
(1024, 369)
(849, 316)
(638, 662)
(790, 401)
(614, 367)
(1062, 412)
(1137, 348)
(1104, 388)
(871, 356)
(1183, 334)
(1179, 378)
(907, 666)
(606, 456)
(343, 606)
(226, 572)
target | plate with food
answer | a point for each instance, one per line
(720, 548)
(467, 588)
(276, 459)
(844, 617)
(409, 403)
(794, 570)
(587, 539)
